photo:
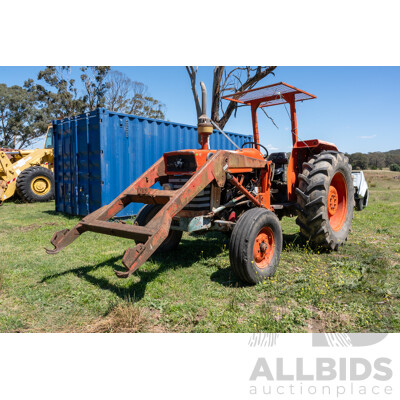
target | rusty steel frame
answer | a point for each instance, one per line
(239, 186)
(293, 167)
(157, 230)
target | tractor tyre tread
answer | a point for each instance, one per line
(312, 198)
(242, 243)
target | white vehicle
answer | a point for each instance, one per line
(361, 193)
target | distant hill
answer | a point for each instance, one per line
(374, 160)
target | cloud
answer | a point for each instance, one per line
(367, 137)
(272, 148)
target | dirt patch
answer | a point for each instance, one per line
(32, 227)
(201, 314)
(317, 323)
(279, 311)
(323, 320)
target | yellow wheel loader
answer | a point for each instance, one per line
(28, 173)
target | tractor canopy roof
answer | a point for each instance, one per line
(271, 95)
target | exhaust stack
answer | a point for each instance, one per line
(204, 126)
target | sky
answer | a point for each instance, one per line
(357, 108)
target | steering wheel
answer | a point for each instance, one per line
(255, 143)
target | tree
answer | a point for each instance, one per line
(237, 79)
(26, 112)
(131, 97)
(96, 85)
(376, 160)
(61, 99)
(20, 119)
(359, 161)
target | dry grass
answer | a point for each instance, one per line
(1, 277)
(125, 317)
(377, 176)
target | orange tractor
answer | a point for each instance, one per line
(242, 191)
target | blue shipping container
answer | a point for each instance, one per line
(99, 154)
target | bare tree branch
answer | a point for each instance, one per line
(224, 81)
(272, 120)
(252, 80)
(192, 75)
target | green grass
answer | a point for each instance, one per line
(193, 289)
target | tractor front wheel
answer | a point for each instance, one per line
(255, 245)
(326, 199)
(35, 184)
(145, 214)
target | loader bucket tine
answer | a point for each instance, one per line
(137, 256)
(63, 238)
(51, 251)
(122, 274)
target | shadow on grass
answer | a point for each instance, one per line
(60, 214)
(293, 241)
(226, 277)
(202, 248)
(189, 252)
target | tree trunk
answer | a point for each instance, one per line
(216, 93)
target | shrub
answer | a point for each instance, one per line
(394, 167)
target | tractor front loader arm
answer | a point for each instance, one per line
(156, 231)
(65, 237)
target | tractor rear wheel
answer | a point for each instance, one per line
(35, 184)
(145, 214)
(255, 245)
(326, 199)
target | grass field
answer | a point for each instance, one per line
(193, 289)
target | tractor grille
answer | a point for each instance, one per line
(200, 202)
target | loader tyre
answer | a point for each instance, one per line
(325, 196)
(35, 184)
(145, 214)
(255, 245)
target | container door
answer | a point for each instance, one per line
(58, 165)
(82, 158)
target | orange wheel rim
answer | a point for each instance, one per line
(264, 246)
(337, 201)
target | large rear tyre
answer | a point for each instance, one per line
(35, 184)
(145, 214)
(255, 245)
(326, 199)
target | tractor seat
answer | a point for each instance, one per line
(279, 161)
(278, 158)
